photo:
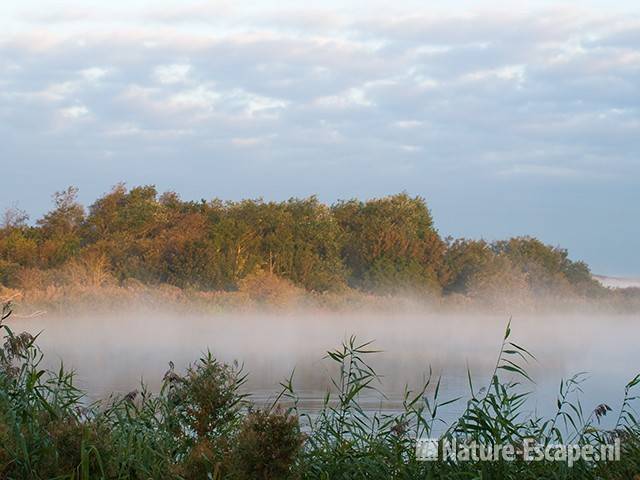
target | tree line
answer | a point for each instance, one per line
(384, 245)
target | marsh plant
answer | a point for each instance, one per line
(201, 426)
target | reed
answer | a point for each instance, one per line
(201, 426)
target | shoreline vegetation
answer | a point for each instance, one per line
(200, 425)
(135, 245)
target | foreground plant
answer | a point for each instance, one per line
(201, 426)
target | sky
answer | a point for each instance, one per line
(509, 118)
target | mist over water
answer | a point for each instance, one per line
(112, 352)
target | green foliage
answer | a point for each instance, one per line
(60, 229)
(464, 259)
(548, 269)
(386, 246)
(267, 446)
(514, 269)
(205, 401)
(390, 244)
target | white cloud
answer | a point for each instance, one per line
(256, 105)
(353, 97)
(55, 92)
(171, 74)
(199, 98)
(75, 112)
(248, 142)
(410, 148)
(405, 124)
(94, 74)
(508, 72)
(556, 171)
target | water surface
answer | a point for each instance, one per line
(113, 352)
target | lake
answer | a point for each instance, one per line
(113, 352)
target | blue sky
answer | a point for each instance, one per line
(509, 122)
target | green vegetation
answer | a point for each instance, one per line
(201, 426)
(381, 246)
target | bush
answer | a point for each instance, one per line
(267, 446)
(267, 289)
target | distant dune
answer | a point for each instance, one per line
(618, 282)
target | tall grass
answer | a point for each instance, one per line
(200, 425)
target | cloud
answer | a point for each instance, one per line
(170, 74)
(94, 74)
(74, 112)
(407, 124)
(545, 171)
(352, 98)
(249, 142)
(199, 98)
(188, 12)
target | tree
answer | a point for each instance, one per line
(13, 218)
(67, 216)
(60, 228)
(390, 244)
(463, 259)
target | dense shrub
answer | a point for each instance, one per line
(383, 246)
(390, 244)
(267, 446)
(267, 289)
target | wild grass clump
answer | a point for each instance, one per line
(201, 426)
